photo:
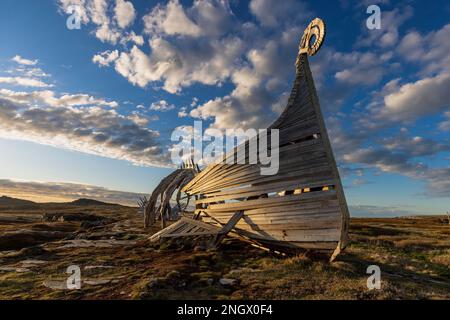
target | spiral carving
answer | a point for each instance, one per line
(315, 31)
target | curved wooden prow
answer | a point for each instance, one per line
(303, 205)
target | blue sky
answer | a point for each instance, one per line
(89, 111)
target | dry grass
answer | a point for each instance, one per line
(413, 255)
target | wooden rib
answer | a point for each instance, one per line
(316, 220)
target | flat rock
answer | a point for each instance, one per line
(227, 281)
(15, 240)
(97, 282)
(240, 270)
(55, 284)
(79, 243)
(62, 285)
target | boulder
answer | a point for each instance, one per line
(15, 240)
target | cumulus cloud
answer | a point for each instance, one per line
(393, 161)
(125, 13)
(427, 96)
(415, 146)
(203, 18)
(360, 68)
(72, 125)
(170, 19)
(430, 50)
(106, 58)
(445, 125)
(388, 35)
(64, 192)
(49, 98)
(162, 106)
(205, 43)
(109, 17)
(272, 12)
(132, 37)
(180, 64)
(400, 154)
(30, 72)
(24, 61)
(24, 82)
(183, 112)
(258, 85)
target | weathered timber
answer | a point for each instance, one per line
(301, 206)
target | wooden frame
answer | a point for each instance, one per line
(303, 205)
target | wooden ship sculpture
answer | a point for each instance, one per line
(303, 206)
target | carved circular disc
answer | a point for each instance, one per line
(316, 31)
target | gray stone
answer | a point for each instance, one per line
(227, 281)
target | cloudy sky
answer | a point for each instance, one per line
(89, 111)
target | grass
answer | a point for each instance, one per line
(413, 255)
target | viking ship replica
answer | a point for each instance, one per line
(301, 207)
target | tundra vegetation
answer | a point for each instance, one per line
(38, 242)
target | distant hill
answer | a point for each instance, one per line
(18, 204)
(90, 202)
(13, 203)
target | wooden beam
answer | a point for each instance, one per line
(228, 226)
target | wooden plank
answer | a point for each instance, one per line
(252, 204)
(259, 190)
(188, 234)
(316, 219)
(228, 226)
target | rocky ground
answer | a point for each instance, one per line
(117, 261)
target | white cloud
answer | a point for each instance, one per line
(210, 18)
(445, 125)
(258, 85)
(421, 98)
(25, 82)
(30, 72)
(388, 35)
(24, 61)
(125, 13)
(64, 192)
(274, 13)
(132, 37)
(106, 58)
(90, 129)
(359, 68)
(49, 98)
(170, 19)
(437, 179)
(138, 118)
(162, 106)
(181, 64)
(183, 112)
(107, 18)
(430, 51)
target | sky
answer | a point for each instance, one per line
(89, 111)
